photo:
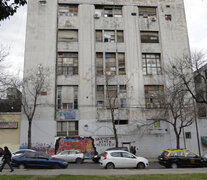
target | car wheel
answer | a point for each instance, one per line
(79, 160)
(140, 165)
(110, 166)
(174, 165)
(21, 166)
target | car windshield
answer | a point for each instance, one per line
(165, 153)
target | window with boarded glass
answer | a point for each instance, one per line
(68, 35)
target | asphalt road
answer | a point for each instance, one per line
(90, 168)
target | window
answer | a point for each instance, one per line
(168, 17)
(67, 128)
(112, 93)
(146, 12)
(113, 61)
(99, 36)
(68, 10)
(152, 99)
(68, 35)
(110, 65)
(121, 122)
(108, 11)
(127, 155)
(43, 93)
(151, 64)
(110, 36)
(149, 37)
(67, 97)
(100, 96)
(179, 154)
(99, 63)
(190, 154)
(116, 154)
(188, 135)
(67, 63)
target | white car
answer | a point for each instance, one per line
(22, 151)
(70, 156)
(122, 159)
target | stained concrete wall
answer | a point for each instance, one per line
(42, 25)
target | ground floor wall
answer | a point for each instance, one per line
(10, 130)
(98, 136)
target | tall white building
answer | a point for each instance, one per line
(80, 41)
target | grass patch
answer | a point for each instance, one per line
(109, 177)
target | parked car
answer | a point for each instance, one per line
(175, 158)
(22, 151)
(96, 158)
(70, 156)
(37, 160)
(122, 159)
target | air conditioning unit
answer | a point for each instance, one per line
(97, 15)
(153, 19)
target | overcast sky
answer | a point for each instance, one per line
(12, 32)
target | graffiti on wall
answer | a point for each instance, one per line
(84, 145)
(44, 147)
(104, 142)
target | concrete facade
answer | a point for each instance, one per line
(44, 46)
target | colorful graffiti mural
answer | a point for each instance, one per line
(44, 147)
(84, 145)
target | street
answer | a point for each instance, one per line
(90, 168)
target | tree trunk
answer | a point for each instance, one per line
(114, 129)
(30, 135)
(177, 141)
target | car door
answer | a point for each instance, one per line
(129, 160)
(192, 159)
(71, 156)
(63, 156)
(116, 158)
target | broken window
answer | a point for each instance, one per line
(112, 94)
(110, 36)
(68, 35)
(67, 97)
(99, 36)
(151, 64)
(149, 37)
(121, 62)
(99, 63)
(100, 96)
(68, 10)
(67, 128)
(108, 11)
(67, 63)
(152, 93)
(146, 12)
(110, 63)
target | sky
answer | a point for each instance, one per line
(12, 33)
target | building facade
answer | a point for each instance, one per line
(97, 48)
